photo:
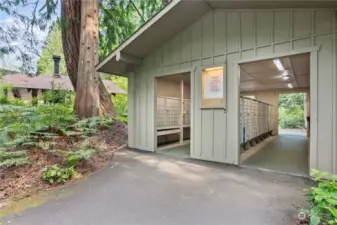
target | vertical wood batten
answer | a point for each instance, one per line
(181, 138)
(198, 115)
(313, 110)
(312, 28)
(138, 105)
(334, 93)
(255, 33)
(272, 30)
(192, 120)
(291, 24)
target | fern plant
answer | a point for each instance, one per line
(13, 158)
(91, 126)
(73, 158)
(22, 124)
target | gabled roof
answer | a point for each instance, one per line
(47, 82)
(176, 16)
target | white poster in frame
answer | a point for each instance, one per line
(213, 87)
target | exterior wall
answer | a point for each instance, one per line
(25, 95)
(224, 37)
(271, 97)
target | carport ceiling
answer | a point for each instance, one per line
(265, 75)
(176, 78)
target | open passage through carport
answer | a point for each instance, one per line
(275, 94)
(285, 153)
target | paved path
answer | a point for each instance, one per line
(153, 189)
(286, 153)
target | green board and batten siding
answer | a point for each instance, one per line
(224, 37)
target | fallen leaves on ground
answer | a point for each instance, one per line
(21, 180)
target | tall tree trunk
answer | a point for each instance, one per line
(87, 92)
(71, 29)
(71, 35)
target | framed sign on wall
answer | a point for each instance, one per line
(213, 88)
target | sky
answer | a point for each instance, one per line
(10, 61)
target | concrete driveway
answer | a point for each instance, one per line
(153, 189)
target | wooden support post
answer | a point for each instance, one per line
(181, 111)
(165, 105)
(305, 110)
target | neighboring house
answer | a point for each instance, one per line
(192, 37)
(22, 84)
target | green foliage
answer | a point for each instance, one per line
(90, 126)
(115, 24)
(291, 118)
(58, 96)
(291, 101)
(291, 110)
(73, 158)
(119, 19)
(53, 46)
(120, 101)
(13, 158)
(57, 175)
(40, 125)
(124, 119)
(323, 199)
(4, 89)
(4, 72)
(22, 124)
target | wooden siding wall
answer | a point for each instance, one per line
(221, 37)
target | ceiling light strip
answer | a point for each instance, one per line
(278, 64)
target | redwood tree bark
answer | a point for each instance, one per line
(71, 41)
(87, 92)
(71, 15)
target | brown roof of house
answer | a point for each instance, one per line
(47, 82)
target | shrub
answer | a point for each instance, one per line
(322, 199)
(57, 175)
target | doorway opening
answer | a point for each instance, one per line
(270, 101)
(293, 114)
(173, 107)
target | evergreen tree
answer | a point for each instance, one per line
(116, 20)
(53, 46)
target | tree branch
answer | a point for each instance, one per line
(138, 12)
